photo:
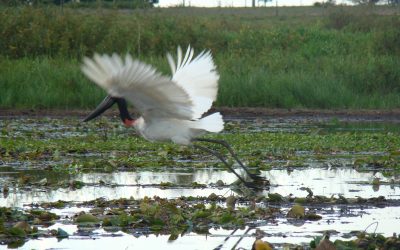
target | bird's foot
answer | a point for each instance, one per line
(257, 183)
(258, 179)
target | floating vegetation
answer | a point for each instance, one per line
(179, 216)
(74, 180)
(84, 147)
(16, 226)
(362, 241)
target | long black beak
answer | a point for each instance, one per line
(103, 106)
(107, 103)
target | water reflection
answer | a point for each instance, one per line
(325, 181)
(322, 181)
(126, 241)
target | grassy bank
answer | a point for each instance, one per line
(312, 58)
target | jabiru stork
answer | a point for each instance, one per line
(171, 108)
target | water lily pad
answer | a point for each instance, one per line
(275, 197)
(61, 233)
(312, 216)
(44, 215)
(261, 245)
(231, 202)
(86, 218)
(297, 212)
(24, 226)
(220, 183)
(18, 232)
(213, 197)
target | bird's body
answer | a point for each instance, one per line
(177, 130)
(171, 108)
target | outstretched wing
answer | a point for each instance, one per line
(151, 93)
(198, 77)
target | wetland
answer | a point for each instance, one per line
(73, 185)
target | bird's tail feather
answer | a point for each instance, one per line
(211, 123)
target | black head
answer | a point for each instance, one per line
(107, 103)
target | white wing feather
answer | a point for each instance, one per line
(198, 77)
(151, 93)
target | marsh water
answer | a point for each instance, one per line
(333, 175)
(323, 181)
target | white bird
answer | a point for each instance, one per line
(171, 108)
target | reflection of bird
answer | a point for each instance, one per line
(171, 108)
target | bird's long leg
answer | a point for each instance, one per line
(241, 238)
(225, 240)
(255, 177)
(221, 158)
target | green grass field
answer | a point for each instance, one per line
(305, 57)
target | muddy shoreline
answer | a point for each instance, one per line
(243, 112)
